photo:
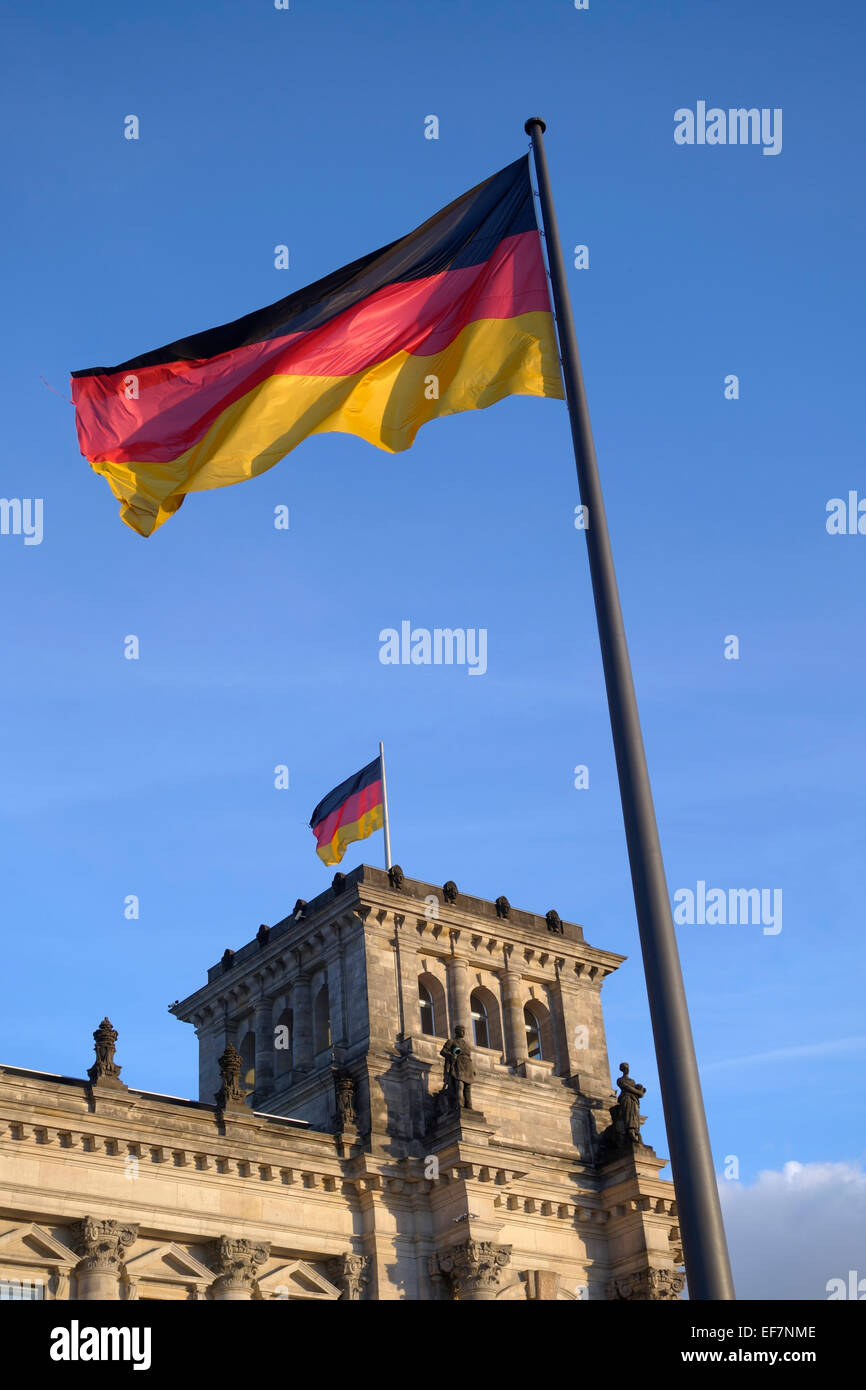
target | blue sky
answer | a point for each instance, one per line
(260, 647)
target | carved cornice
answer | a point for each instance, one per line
(101, 1244)
(474, 1265)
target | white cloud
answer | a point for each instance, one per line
(792, 1231)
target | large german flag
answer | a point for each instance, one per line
(452, 317)
(350, 812)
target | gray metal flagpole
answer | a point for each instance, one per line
(705, 1250)
(385, 823)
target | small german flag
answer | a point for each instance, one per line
(452, 317)
(350, 812)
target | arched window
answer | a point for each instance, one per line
(539, 1032)
(425, 1004)
(284, 1041)
(431, 1007)
(484, 1008)
(533, 1033)
(247, 1050)
(480, 1026)
(322, 1021)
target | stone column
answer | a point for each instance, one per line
(583, 1033)
(472, 1269)
(350, 1273)
(344, 988)
(302, 1010)
(235, 1263)
(264, 1029)
(512, 1014)
(459, 991)
(101, 1245)
(569, 1037)
(336, 1002)
(407, 978)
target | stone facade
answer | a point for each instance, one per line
(318, 1162)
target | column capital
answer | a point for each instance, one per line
(660, 1285)
(235, 1263)
(350, 1273)
(473, 1268)
(101, 1244)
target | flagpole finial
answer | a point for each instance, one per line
(535, 120)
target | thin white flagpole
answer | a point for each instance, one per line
(385, 825)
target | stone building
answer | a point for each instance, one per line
(327, 1157)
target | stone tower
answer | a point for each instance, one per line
(340, 1013)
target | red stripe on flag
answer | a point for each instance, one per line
(352, 809)
(178, 402)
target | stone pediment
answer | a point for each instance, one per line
(32, 1244)
(168, 1263)
(297, 1279)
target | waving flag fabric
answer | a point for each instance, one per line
(350, 812)
(452, 317)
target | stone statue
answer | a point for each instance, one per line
(449, 891)
(503, 907)
(104, 1039)
(230, 1092)
(344, 1085)
(395, 877)
(459, 1069)
(627, 1119)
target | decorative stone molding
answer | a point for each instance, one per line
(473, 1268)
(105, 1070)
(101, 1244)
(235, 1263)
(350, 1273)
(231, 1095)
(344, 1086)
(663, 1285)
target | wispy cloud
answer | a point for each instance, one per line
(787, 1054)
